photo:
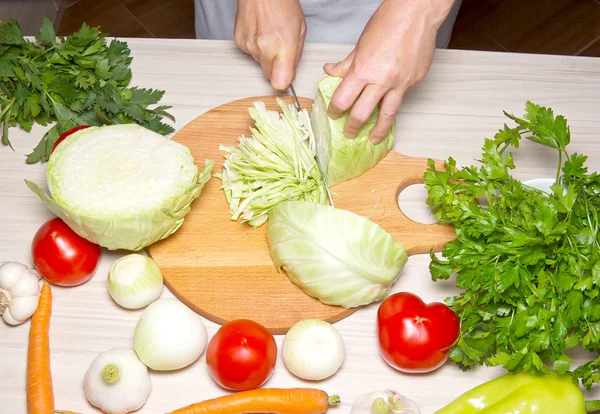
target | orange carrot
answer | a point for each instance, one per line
(40, 395)
(266, 400)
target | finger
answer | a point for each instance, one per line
(266, 64)
(340, 69)
(299, 50)
(345, 95)
(362, 110)
(283, 71)
(387, 114)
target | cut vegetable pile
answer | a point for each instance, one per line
(273, 165)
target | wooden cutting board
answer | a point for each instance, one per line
(222, 269)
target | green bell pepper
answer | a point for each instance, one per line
(523, 393)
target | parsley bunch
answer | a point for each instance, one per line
(528, 262)
(74, 80)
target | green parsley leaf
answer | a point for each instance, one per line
(72, 80)
(527, 262)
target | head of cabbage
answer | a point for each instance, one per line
(343, 158)
(333, 255)
(121, 186)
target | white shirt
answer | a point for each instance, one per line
(327, 21)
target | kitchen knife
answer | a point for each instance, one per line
(299, 108)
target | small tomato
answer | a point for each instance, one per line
(241, 355)
(414, 336)
(62, 256)
(66, 134)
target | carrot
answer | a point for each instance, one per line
(40, 395)
(266, 400)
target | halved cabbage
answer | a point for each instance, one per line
(334, 255)
(121, 186)
(343, 158)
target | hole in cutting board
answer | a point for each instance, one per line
(411, 202)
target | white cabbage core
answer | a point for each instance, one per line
(133, 168)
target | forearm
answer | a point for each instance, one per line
(435, 11)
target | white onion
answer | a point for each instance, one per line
(313, 350)
(169, 336)
(135, 281)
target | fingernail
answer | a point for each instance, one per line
(349, 134)
(376, 140)
(332, 113)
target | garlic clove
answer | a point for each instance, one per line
(8, 318)
(10, 273)
(27, 285)
(21, 308)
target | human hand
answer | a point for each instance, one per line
(273, 32)
(393, 54)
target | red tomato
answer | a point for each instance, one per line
(66, 134)
(413, 336)
(241, 356)
(62, 256)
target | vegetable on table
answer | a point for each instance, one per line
(62, 256)
(343, 158)
(40, 393)
(313, 350)
(384, 402)
(414, 336)
(74, 80)
(528, 262)
(241, 355)
(19, 292)
(122, 186)
(66, 134)
(169, 336)
(275, 164)
(334, 255)
(117, 382)
(266, 400)
(135, 281)
(523, 393)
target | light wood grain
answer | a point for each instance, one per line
(222, 268)
(459, 103)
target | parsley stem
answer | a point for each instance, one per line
(592, 405)
(560, 154)
(7, 107)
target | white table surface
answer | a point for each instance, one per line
(449, 114)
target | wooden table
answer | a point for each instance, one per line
(450, 113)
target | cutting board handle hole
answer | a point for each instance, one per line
(411, 202)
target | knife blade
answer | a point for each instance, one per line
(299, 108)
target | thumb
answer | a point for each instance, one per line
(283, 72)
(339, 69)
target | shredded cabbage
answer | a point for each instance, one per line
(275, 164)
(122, 186)
(334, 255)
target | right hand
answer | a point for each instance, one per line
(273, 32)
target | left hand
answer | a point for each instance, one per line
(393, 54)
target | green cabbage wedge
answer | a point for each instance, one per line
(122, 186)
(334, 255)
(343, 158)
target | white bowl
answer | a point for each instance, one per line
(542, 184)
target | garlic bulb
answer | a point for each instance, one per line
(19, 292)
(384, 402)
